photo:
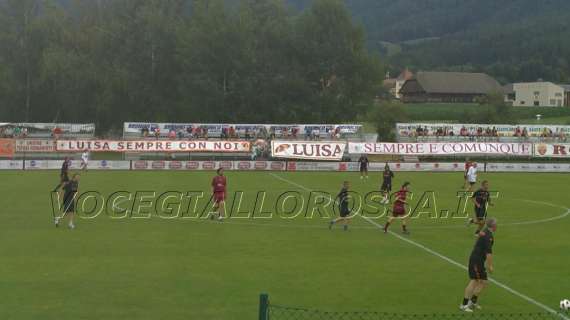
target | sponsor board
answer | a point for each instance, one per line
(37, 164)
(7, 147)
(307, 150)
(76, 165)
(528, 167)
(552, 150)
(108, 165)
(375, 166)
(215, 129)
(209, 165)
(439, 148)
(429, 167)
(152, 146)
(79, 128)
(503, 130)
(11, 164)
(313, 166)
(35, 145)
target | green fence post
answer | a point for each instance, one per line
(264, 306)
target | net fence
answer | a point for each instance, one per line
(268, 311)
(276, 312)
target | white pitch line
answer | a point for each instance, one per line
(441, 256)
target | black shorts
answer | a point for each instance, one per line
(344, 211)
(386, 187)
(363, 168)
(481, 213)
(472, 183)
(477, 270)
(64, 177)
(68, 206)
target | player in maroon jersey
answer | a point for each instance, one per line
(219, 193)
(399, 209)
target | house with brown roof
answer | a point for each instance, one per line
(395, 84)
(448, 87)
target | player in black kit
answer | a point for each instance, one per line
(343, 207)
(64, 174)
(481, 199)
(386, 187)
(71, 187)
(481, 255)
(363, 161)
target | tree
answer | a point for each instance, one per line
(342, 75)
(385, 115)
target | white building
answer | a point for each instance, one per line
(536, 94)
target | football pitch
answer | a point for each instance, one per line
(159, 267)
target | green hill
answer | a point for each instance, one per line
(514, 40)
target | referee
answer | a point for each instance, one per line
(480, 260)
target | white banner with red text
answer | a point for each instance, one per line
(552, 150)
(152, 146)
(307, 150)
(442, 149)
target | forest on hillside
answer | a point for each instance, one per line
(109, 61)
(513, 40)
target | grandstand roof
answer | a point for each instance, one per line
(457, 82)
(566, 87)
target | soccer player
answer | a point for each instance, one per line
(399, 209)
(343, 207)
(481, 255)
(64, 174)
(70, 188)
(468, 165)
(363, 160)
(219, 193)
(386, 187)
(481, 198)
(84, 159)
(472, 176)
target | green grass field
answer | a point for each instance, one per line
(455, 112)
(185, 268)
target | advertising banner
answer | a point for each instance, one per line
(11, 164)
(215, 129)
(152, 146)
(7, 148)
(209, 165)
(443, 149)
(307, 150)
(429, 167)
(528, 167)
(552, 150)
(35, 145)
(77, 128)
(76, 165)
(503, 130)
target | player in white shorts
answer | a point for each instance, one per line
(472, 176)
(84, 160)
